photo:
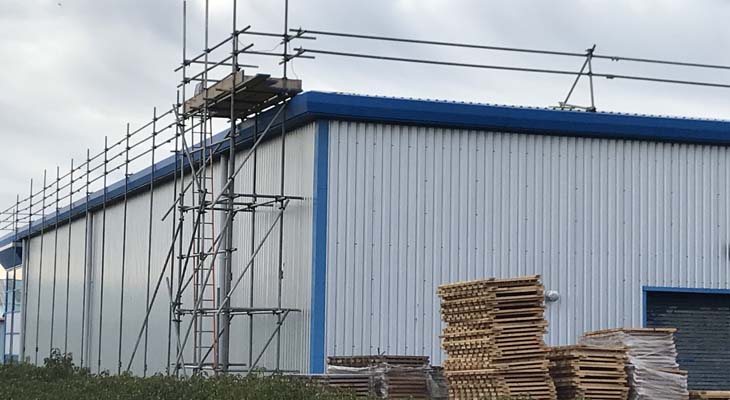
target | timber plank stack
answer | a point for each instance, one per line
(494, 339)
(651, 365)
(381, 376)
(709, 395)
(589, 372)
(362, 385)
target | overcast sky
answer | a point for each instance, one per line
(72, 71)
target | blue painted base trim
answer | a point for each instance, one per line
(319, 250)
(660, 289)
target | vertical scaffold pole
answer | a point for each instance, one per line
(68, 257)
(226, 276)
(87, 259)
(40, 267)
(5, 299)
(590, 76)
(26, 275)
(124, 250)
(55, 262)
(179, 153)
(280, 276)
(252, 287)
(103, 254)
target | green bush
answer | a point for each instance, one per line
(59, 378)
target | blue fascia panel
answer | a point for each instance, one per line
(319, 250)
(515, 119)
(313, 106)
(11, 256)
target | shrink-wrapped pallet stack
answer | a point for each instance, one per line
(493, 339)
(589, 372)
(380, 376)
(651, 364)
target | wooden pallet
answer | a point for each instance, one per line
(493, 339)
(709, 395)
(361, 385)
(589, 372)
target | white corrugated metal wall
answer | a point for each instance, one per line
(37, 332)
(413, 207)
(296, 289)
(297, 257)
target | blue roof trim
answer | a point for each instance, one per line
(313, 106)
(515, 119)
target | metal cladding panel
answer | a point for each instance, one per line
(105, 313)
(703, 326)
(66, 333)
(413, 207)
(135, 278)
(297, 253)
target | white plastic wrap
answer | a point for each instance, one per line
(438, 388)
(652, 366)
(388, 381)
(340, 370)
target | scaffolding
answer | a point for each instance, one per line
(205, 260)
(197, 271)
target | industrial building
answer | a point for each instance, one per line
(625, 217)
(11, 284)
(289, 226)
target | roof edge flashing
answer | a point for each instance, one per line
(316, 105)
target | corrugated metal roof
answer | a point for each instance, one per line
(523, 107)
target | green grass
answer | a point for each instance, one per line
(59, 378)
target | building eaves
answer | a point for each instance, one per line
(311, 106)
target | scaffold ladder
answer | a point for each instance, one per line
(205, 325)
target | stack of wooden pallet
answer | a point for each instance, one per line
(362, 385)
(651, 365)
(709, 395)
(382, 376)
(589, 372)
(494, 339)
